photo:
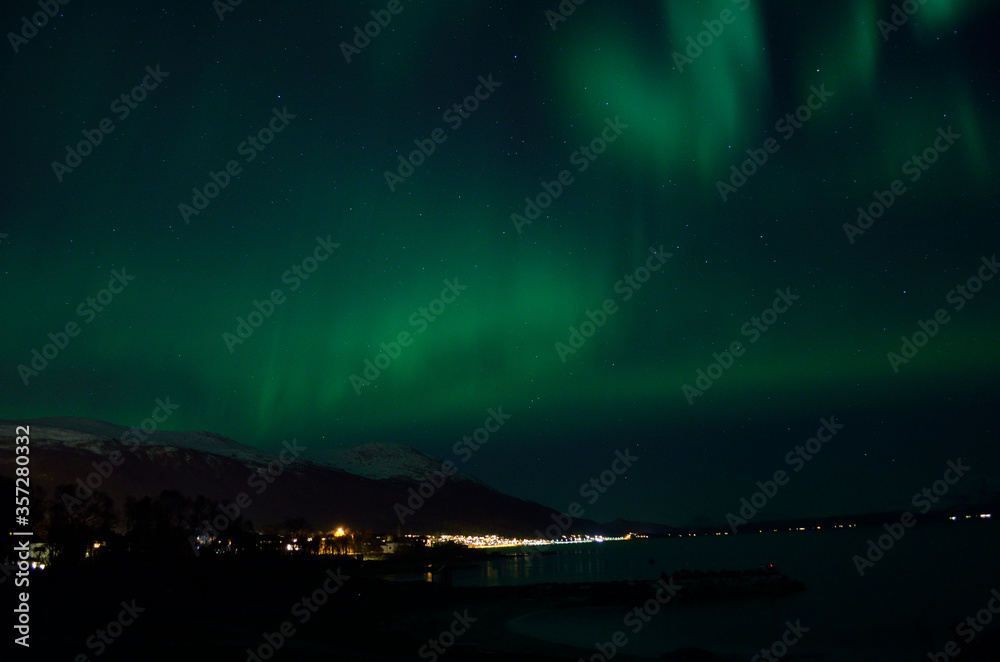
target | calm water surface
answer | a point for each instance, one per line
(903, 607)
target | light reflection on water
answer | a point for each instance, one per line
(903, 607)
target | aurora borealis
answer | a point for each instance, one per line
(385, 240)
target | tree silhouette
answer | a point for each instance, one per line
(72, 535)
(159, 528)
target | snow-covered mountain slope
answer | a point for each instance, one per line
(383, 461)
(88, 434)
(363, 487)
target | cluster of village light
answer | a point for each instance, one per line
(41, 552)
(500, 541)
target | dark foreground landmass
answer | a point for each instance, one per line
(330, 608)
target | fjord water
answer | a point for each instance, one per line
(903, 607)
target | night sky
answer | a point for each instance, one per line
(651, 242)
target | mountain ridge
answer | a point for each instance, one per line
(69, 451)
